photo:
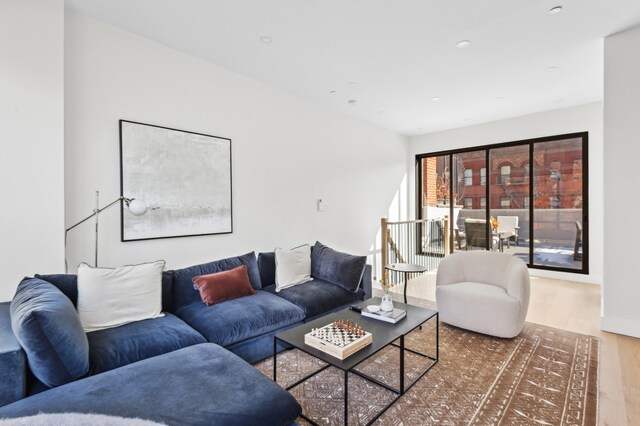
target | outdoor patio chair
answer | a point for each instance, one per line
(459, 234)
(508, 228)
(460, 238)
(476, 235)
(436, 235)
(577, 250)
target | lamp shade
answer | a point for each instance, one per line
(137, 207)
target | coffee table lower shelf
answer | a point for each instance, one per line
(350, 367)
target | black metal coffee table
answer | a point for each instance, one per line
(384, 334)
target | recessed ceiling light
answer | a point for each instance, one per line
(555, 10)
(436, 98)
(462, 44)
(266, 39)
(351, 101)
(549, 69)
(352, 84)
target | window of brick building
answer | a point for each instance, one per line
(505, 175)
(468, 203)
(468, 177)
(554, 171)
(577, 170)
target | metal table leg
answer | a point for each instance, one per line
(405, 288)
(346, 397)
(275, 352)
(402, 364)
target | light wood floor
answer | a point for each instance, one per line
(575, 307)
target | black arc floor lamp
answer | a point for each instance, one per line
(135, 207)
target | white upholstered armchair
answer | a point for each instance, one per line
(483, 291)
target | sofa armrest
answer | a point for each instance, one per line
(366, 283)
(13, 362)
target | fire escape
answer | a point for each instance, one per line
(505, 182)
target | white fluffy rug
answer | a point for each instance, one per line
(75, 419)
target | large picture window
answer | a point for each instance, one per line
(534, 190)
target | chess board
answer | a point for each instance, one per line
(338, 339)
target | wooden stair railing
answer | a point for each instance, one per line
(394, 247)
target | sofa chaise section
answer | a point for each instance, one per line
(199, 385)
(44, 308)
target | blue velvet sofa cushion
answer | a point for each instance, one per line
(48, 328)
(183, 291)
(260, 347)
(317, 297)
(13, 365)
(239, 319)
(336, 267)
(200, 385)
(114, 347)
(68, 284)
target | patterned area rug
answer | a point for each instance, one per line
(545, 376)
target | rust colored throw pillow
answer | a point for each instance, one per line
(225, 285)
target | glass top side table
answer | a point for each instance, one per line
(406, 268)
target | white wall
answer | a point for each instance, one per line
(287, 152)
(621, 293)
(568, 120)
(31, 133)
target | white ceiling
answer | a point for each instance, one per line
(400, 54)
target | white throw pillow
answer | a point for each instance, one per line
(293, 266)
(111, 297)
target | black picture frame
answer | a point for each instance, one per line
(184, 178)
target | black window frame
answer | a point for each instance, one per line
(530, 142)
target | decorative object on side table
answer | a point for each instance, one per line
(186, 176)
(134, 206)
(386, 304)
(339, 339)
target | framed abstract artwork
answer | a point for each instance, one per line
(184, 178)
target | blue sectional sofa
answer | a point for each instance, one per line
(178, 357)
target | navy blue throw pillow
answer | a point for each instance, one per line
(267, 265)
(336, 267)
(48, 328)
(66, 283)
